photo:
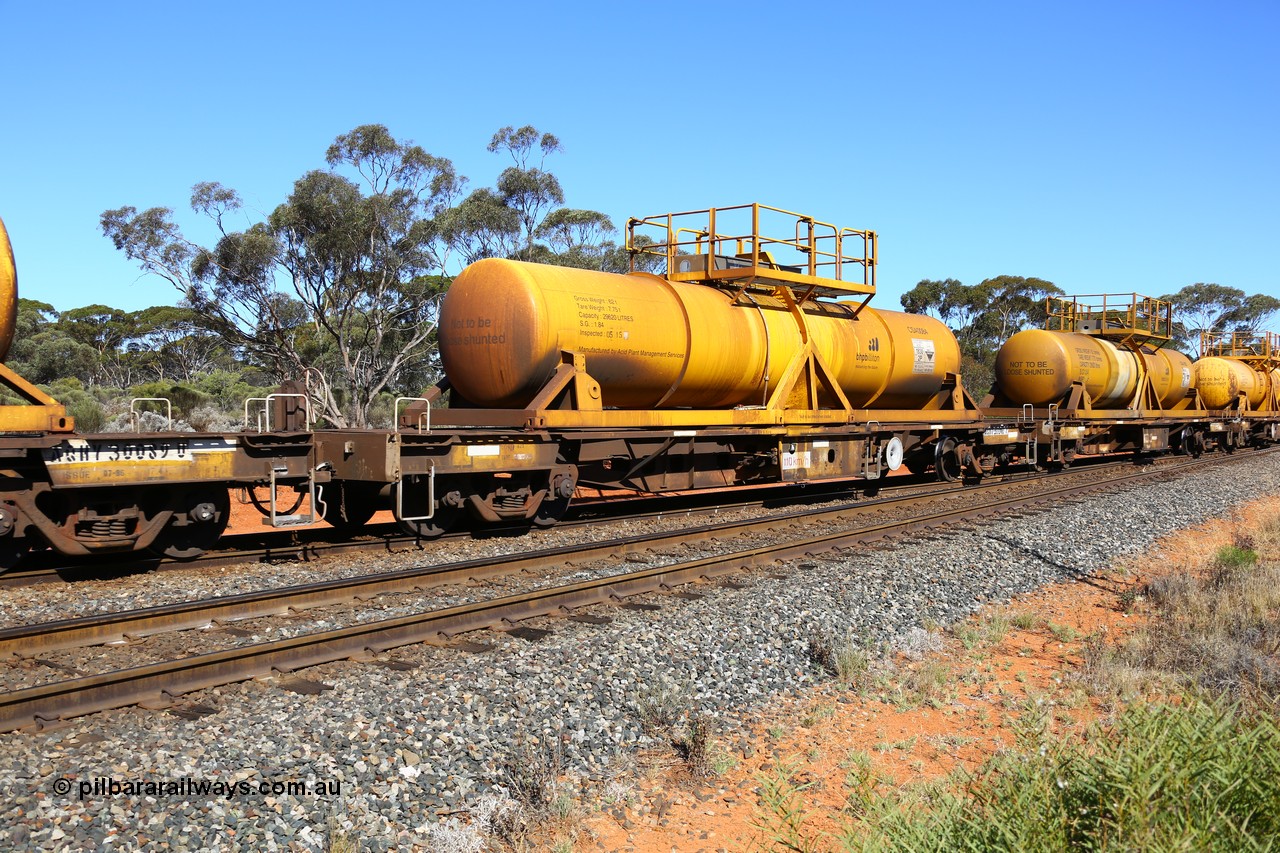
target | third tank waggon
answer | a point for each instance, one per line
(1221, 381)
(653, 343)
(1239, 372)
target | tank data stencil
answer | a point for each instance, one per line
(924, 355)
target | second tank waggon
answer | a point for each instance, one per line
(1103, 352)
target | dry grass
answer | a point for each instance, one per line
(1215, 630)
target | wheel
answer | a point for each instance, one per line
(549, 512)
(415, 502)
(348, 506)
(946, 461)
(12, 549)
(440, 523)
(1229, 443)
(197, 526)
(554, 505)
(1193, 444)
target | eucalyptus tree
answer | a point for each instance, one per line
(983, 316)
(1219, 309)
(341, 282)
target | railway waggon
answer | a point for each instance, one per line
(753, 358)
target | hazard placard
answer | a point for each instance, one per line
(924, 352)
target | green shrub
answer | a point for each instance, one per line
(81, 404)
(183, 397)
(1201, 775)
(1231, 557)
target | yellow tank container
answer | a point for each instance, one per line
(1171, 375)
(651, 343)
(8, 292)
(1220, 380)
(1037, 366)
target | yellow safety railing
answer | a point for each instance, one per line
(1262, 346)
(1111, 315)
(756, 245)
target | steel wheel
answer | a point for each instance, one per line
(348, 506)
(946, 461)
(198, 527)
(439, 524)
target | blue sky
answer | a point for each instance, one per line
(1107, 147)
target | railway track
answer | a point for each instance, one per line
(314, 544)
(162, 683)
(322, 543)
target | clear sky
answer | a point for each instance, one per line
(1105, 146)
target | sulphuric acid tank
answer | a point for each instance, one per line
(653, 343)
(1221, 380)
(8, 292)
(1037, 366)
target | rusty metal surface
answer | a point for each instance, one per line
(1221, 381)
(172, 458)
(322, 543)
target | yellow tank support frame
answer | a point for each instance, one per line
(43, 414)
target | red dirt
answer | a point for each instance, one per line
(245, 517)
(817, 730)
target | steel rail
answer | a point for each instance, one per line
(314, 543)
(161, 683)
(128, 625)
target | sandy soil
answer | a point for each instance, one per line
(977, 693)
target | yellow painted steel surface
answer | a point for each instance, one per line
(1221, 380)
(651, 343)
(8, 292)
(117, 462)
(1037, 366)
(1171, 375)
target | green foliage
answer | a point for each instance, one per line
(104, 346)
(228, 389)
(983, 316)
(1198, 775)
(1202, 307)
(1234, 557)
(81, 404)
(979, 374)
(843, 658)
(183, 397)
(780, 815)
